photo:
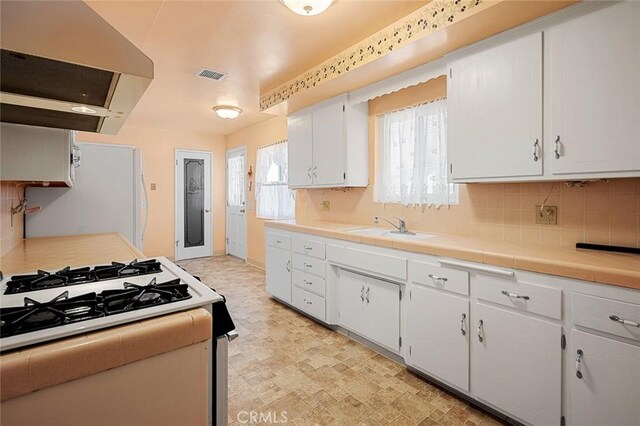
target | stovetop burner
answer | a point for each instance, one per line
(63, 310)
(60, 310)
(67, 276)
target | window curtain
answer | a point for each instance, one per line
(412, 161)
(235, 180)
(274, 199)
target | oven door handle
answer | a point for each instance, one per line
(232, 335)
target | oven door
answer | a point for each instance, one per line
(223, 333)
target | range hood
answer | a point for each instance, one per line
(63, 66)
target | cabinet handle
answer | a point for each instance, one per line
(536, 147)
(367, 295)
(514, 295)
(307, 302)
(437, 278)
(362, 293)
(278, 241)
(309, 172)
(578, 363)
(308, 248)
(480, 331)
(307, 265)
(624, 321)
(557, 150)
(288, 266)
(308, 282)
(314, 171)
(463, 327)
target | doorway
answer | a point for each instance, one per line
(236, 202)
(194, 237)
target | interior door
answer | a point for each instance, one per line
(329, 145)
(236, 203)
(194, 236)
(518, 364)
(438, 334)
(300, 150)
(495, 111)
(607, 391)
(593, 89)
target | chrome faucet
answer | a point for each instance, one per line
(401, 227)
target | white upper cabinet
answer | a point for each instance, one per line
(328, 145)
(495, 112)
(299, 148)
(594, 92)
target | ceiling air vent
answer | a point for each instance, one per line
(211, 74)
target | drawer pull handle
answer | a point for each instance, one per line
(308, 282)
(367, 295)
(463, 327)
(307, 302)
(624, 321)
(308, 248)
(437, 278)
(514, 295)
(306, 265)
(578, 363)
(278, 241)
(362, 293)
(480, 331)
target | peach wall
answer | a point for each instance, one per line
(10, 233)
(158, 157)
(602, 212)
(265, 133)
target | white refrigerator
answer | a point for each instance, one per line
(109, 195)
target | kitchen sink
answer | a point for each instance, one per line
(382, 232)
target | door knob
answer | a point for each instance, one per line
(207, 210)
(241, 210)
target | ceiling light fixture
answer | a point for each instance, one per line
(83, 110)
(307, 7)
(227, 112)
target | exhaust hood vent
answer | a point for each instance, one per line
(63, 66)
(211, 74)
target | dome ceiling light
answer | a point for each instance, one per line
(227, 112)
(307, 7)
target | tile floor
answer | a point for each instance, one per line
(285, 362)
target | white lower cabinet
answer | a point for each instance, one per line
(438, 335)
(517, 364)
(370, 308)
(308, 302)
(605, 385)
(278, 273)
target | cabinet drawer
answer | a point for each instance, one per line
(309, 264)
(453, 280)
(310, 248)
(533, 298)
(606, 315)
(279, 240)
(379, 264)
(309, 303)
(309, 282)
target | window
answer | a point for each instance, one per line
(412, 157)
(274, 199)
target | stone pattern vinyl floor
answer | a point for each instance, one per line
(285, 366)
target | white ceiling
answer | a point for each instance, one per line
(259, 43)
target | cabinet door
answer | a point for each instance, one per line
(518, 365)
(595, 101)
(351, 302)
(437, 334)
(609, 391)
(495, 112)
(329, 145)
(299, 148)
(278, 273)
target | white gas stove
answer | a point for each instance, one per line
(45, 306)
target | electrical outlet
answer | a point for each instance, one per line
(547, 215)
(153, 186)
(326, 206)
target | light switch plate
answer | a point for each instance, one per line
(153, 186)
(326, 206)
(547, 215)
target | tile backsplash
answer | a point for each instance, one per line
(600, 212)
(10, 234)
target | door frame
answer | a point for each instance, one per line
(176, 201)
(242, 149)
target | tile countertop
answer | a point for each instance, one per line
(75, 250)
(608, 268)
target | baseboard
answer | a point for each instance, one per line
(222, 252)
(256, 263)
